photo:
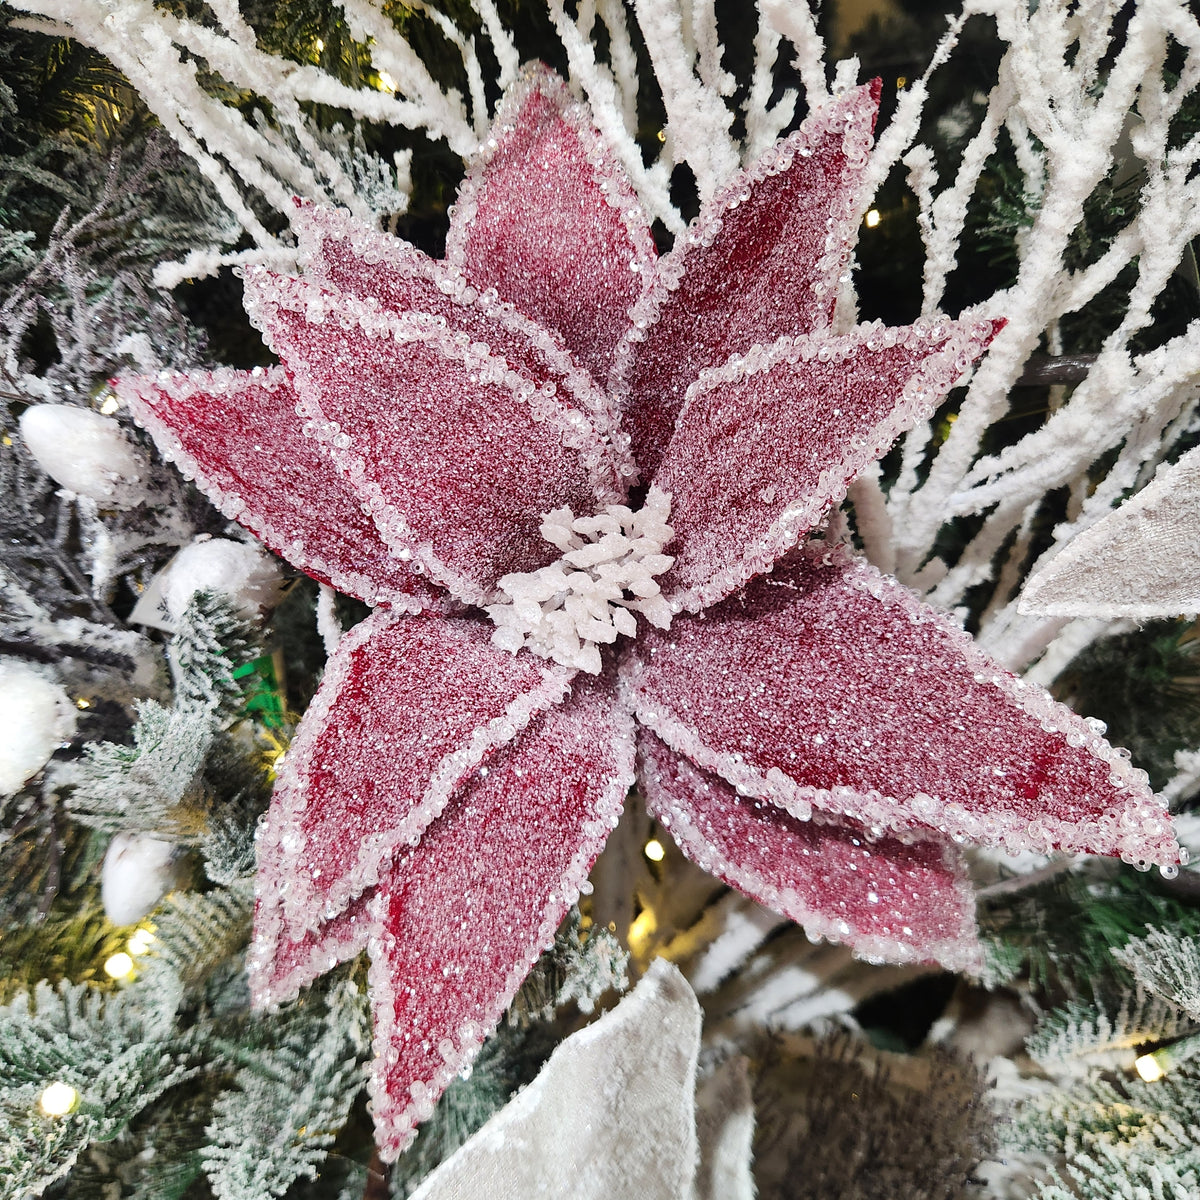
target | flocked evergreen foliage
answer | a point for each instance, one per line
(1038, 159)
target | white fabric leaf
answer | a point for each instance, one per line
(611, 1114)
(1141, 561)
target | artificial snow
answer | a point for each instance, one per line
(138, 871)
(87, 453)
(36, 718)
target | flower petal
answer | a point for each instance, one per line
(278, 965)
(342, 253)
(761, 260)
(547, 217)
(829, 685)
(766, 443)
(236, 433)
(886, 899)
(469, 910)
(407, 708)
(457, 455)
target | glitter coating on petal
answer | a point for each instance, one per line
(760, 261)
(456, 454)
(407, 708)
(547, 217)
(829, 685)
(236, 433)
(468, 911)
(279, 966)
(765, 444)
(348, 256)
(887, 899)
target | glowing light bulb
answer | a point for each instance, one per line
(642, 930)
(140, 941)
(386, 83)
(654, 851)
(118, 966)
(1149, 1067)
(58, 1099)
(873, 217)
(110, 405)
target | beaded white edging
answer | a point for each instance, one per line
(1141, 834)
(396, 1118)
(306, 904)
(960, 344)
(317, 225)
(267, 293)
(853, 117)
(268, 988)
(958, 953)
(609, 175)
(139, 394)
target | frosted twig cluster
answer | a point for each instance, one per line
(567, 611)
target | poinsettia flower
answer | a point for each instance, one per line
(580, 483)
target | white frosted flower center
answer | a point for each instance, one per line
(567, 610)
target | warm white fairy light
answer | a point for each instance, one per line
(1149, 1067)
(654, 851)
(58, 1099)
(642, 929)
(118, 966)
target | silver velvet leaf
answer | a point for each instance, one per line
(1141, 561)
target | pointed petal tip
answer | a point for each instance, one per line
(1012, 767)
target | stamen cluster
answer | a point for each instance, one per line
(567, 610)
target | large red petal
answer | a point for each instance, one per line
(760, 261)
(236, 433)
(408, 707)
(467, 912)
(766, 443)
(887, 899)
(547, 217)
(342, 253)
(829, 685)
(457, 454)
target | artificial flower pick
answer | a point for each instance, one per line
(583, 486)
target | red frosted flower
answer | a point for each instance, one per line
(470, 434)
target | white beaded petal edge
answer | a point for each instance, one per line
(396, 1120)
(853, 117)
(267, 294)
(139, 394)
(610, 176)
(961, 341)
(282, 840)
(1142, 834)
(318, 225)
(959, 953)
